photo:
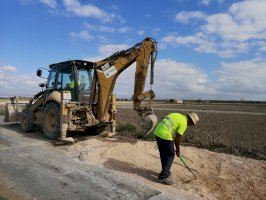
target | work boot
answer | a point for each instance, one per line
(163, 176)
(166, 181)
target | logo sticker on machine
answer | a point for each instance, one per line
(105, 66)
(110, 71)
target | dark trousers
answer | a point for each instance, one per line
(167, 155)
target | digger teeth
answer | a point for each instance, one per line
(149, 123)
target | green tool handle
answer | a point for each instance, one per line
(184, 162)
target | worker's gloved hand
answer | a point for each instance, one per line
(177, 152)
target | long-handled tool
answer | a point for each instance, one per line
(189, 169)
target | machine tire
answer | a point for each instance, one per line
(51, 121)
(27, 119)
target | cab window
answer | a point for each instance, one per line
(65, 79)
(51, 79)
(85, 77)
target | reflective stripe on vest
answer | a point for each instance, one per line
(169, 126)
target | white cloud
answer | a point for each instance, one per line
(226, 34)
(198, 41)
(262, 48)
(141, 32)
(184, 40)
(172, 79)
(207, 44)
(244, 20)
(124, 29)
(87, 10)
(235, 80)
(243, 79)
(94, 58)
(84, 35)
(21, 85)
(8, 68)
(103, 39)
(107, 29)
(14, 83)
(208, 2)
(205, 2)
(109, 49)
(155, 31)
(228, 49)
(100, 28)
(184, 16)
(183, 79)
(50, 3)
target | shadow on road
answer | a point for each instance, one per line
(37, 134)
(122, 166)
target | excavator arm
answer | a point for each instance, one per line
(110, 68)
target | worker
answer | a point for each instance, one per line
(82, 82)
(71, 87)
(168, 132)
(72, 83)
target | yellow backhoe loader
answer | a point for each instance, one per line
(78, 95)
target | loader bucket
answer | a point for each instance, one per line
(149, 123)
(12, 111)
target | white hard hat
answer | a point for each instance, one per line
(193, 116)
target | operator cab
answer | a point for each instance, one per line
(75, 76)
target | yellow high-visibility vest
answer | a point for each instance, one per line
(72, 84)
(170, 125)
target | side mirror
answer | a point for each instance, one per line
(39, 72)
(42, 85)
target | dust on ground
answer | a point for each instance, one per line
(219, 176)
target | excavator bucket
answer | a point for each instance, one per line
(149, 123)
(13, 109)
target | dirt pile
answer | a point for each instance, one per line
(220, 176)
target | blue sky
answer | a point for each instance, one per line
(208, 49)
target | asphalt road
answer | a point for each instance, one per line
(32, 168)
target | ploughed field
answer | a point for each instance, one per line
(259, 108)
(232, 128)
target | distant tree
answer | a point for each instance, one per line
(198, 101)
(171, 100)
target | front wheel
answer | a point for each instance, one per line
(27, 121)
(51, 121)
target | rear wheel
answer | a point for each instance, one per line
(27, 121)
(51, 121)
